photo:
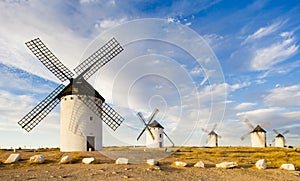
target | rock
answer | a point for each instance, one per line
(227, 165)
(122, 161)
(261, 164)
(199, 164)
(88, 160)
(37, 159)
(66, 159)
(152, 162)
(152, 168)
(180, 164)
(13, 158)
(290, 167)
(168, 150)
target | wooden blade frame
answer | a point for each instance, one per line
(50, 61)
(38, 113)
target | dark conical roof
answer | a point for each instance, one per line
(155, 124)
(258, 129)
(212, 133)
(279, 136)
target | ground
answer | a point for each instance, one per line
(105, 169)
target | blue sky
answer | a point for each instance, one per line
(255, 43)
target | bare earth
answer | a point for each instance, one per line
(106, 169)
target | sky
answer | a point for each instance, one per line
(201, 63)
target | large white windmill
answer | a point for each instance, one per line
(279, 139)
(258, 135)
(154, 132)
(212, 137)
(82, 108)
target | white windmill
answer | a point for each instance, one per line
(212, 137)
(82, 108)
(258, 135)
(155, 132)
(279, 139)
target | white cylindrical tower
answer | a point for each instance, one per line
(212, 139)
(80, 128)
(279, 140)
(258, 137)
(158, 132)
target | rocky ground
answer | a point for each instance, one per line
(105, 169)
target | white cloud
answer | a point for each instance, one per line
(265, 58)
(245, 105)
(262, 32)
(283, 96)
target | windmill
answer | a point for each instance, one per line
(279, 139)
(155, 132)
(77, 97)
(258, 134)
(212, 137)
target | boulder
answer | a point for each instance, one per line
(168, 150)
(66, 159)
(88, 160)
(261, 164)
(37, 159)
(13, 158)
(152, 162)
(227, 165)
(199, 164)
(289, 167)
(122, 161)
(180, 164)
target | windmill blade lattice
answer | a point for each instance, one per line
(35, 116)
(39, 49)
(146, 125)
(169, 139)
(98, 59)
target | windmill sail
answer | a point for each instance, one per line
(98, 59)
(38, 113)
(39, 49)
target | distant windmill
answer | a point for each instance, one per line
(212, 137)
(258, 135)
(92, 109)
(155, 132)
(279, 139)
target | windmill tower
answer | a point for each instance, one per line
(82, 108)
(155, 132)
(212, 137)
(279, 139)
(258, 135)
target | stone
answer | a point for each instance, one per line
(37, 159)
(289, 167)
(261, 164)
(88, 160)
(168, 150)
(227, 165)
(180, 164)
(199, 164)
(13, 158)
(122, 161)
(152, 162)
(66, 159)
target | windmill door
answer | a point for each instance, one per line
(90, 143)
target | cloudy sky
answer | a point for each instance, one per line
(200, 63)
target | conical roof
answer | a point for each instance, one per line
(212, 133)
(258, 129)
(155, 124)
(279, 136)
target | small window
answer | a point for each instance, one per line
(65, 98)
(91, 118)
(71, 98)
(159, 135)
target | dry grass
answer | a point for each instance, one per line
(245, 156)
